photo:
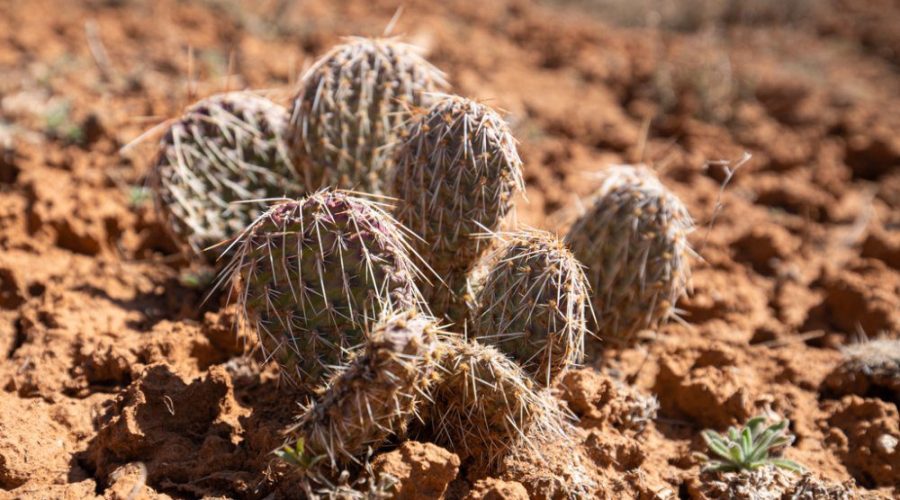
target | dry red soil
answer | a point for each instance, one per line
(118, 380)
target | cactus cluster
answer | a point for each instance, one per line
(633, 240)
(311, 275)
(217, 165)
(333, 284)
(350, 109)
(533, 304)
(457, 171)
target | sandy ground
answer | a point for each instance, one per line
(118, 380)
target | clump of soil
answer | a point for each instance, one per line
(122, 377)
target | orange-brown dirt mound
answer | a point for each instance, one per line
(120, 378)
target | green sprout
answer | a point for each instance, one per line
(296, 455)
(748, 448)
(138, 195)
(196, 278)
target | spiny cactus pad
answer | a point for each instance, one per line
(351, 105)
(534, 304)
(485, 406)
(456, 175)
(377, 394)
(633, 240)
(311, 275)
(223, 154)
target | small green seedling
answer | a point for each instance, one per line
(748, 448)
(295, 455)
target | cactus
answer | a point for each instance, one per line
(868, 367)
(485, 406)
(311, 275)
(456, 174)
(633, 240)
(533, 304)
(351, 105)
(377, 394)
(225, 149)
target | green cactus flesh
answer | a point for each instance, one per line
(633, 240)
(533, 304)
(351, 106)
(311, 275)
(485, 406)
(376, 396)
(457, 171)
(215, 164)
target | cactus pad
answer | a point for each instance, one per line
(311, 275)
(633, 240)
(533, 304)
(225, 149)
(457, 171)
(376, 396)
(485, 406)
(351, 105)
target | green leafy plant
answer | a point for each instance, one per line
(748, 448)
(296, 455)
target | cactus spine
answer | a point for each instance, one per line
(351, 105)
(633, 240)
(456, 174)
(377, 394)
(533, 304)
(485, 406)
(225, 149)
(312, 274)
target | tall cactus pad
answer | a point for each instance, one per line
(376, 396)
(351, 106)
(533, 304)
(456, 174)
(633, 240)
(224, 152)
(312, 275)
(485, 406)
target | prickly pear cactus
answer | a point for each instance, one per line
(485, 406)
(633, 240)
(456, 174)
(311, 275)
(533, 304)
(351, 105)
(224, 152)
(376, 396)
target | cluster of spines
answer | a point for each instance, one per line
(457, 171)
(217, 165)
(633, 240)
(351, 105)
(533, 303)
(312, 275)
(873, 365)
(376, 395)
(484, 406)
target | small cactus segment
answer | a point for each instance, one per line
(533, 305)
(376, 396)
(225, 152)
(311, 275)
(633, 240)
(351, 105)
(456, 175)
(485, 406)
(868, 367)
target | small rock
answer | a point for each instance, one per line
(497, 489)
(424, 470)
